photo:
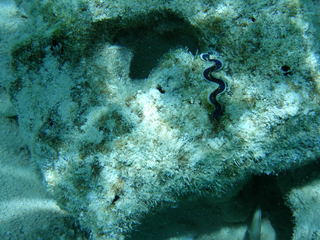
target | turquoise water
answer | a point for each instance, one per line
(107, 129)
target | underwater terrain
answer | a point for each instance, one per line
(160, 119)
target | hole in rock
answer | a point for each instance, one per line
(153, 36)
(205, 218)
(160, 89)
(285, 68)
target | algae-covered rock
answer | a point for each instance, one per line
(112, 103)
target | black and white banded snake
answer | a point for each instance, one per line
(217, 65)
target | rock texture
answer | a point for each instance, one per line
(112, 104)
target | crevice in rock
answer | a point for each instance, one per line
(199, 217)
(153, 36)
(265, 193)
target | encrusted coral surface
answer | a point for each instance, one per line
(113, 106)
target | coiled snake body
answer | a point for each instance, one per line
(217, 65)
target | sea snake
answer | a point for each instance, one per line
(217, 65)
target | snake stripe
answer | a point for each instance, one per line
(217, 65)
